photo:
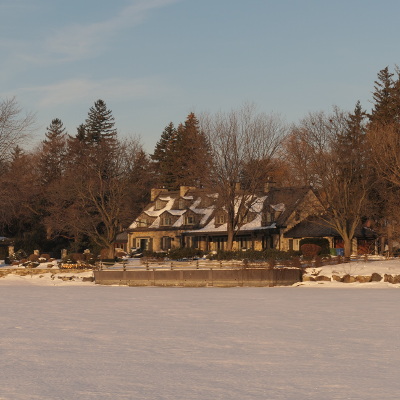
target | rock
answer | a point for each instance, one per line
(336, 278)
(363, 279)
(396, 279)
(322, 278)
(88, 279)
(348, 279)
(388, 278)
(308, 278)
(65, 278)
(375, 277)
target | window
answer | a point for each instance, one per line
(142, 223)
(270, 217)
(195, 242)
(245, 219)
(166, 243)
(244, 243)
(190, 220)
(166, 221)
(220, 219)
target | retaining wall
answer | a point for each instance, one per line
(201, 277)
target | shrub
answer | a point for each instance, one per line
(154, 254)
(310, 250)
(321, 242)
(184, 252)
(254, 255)
(33, 257)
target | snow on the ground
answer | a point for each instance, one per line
(106, 342)
(356, 268)
(47, 279)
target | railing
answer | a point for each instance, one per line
(149, 263)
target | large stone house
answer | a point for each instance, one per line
(191, 217)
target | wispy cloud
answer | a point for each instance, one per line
(82, 41)
(79, 91)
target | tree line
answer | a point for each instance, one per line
(80, 190)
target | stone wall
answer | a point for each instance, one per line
(201, 277)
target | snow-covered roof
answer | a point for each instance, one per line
(282, 200)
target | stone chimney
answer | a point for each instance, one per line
(155, 192)
(184, 189)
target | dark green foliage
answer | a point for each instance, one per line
(53, 153)
(254, 255)
(99, 124)
(321, 242)
(194, 153)
(182, 156)
(386, 99)
(184, 252)
(164, 158)
(155, 254)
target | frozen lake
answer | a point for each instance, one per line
(93, 342)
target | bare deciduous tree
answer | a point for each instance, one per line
(14, 127)
(336, 167)
(95, 195)
(243, 143)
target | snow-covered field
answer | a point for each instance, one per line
(74, 340)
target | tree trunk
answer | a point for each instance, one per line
(347, 249)
(109, 252)
(229, 242)
(390, 239)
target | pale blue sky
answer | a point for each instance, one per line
(154, 61)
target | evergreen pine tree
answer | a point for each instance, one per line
(194, 154)
(351, 146)
(182, 155)
(100, 123)
(382, 112)
(164, 158)
(81, 134)
(53, 152)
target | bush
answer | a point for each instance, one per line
(33, 257)
(310, 250)
(254, 255)
(154, 254)
(321, 242)
(184, 252)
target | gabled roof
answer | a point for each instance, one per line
(194, 200)
(284, 201)
(315, 227)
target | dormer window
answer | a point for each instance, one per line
(166, 221)
(220, 219)
(190, 220)
(142, 223)
(270, 217)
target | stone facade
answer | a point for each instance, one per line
(192, 217)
